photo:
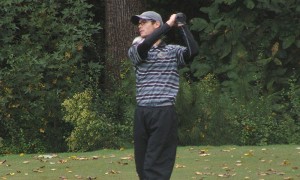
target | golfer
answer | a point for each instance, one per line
(157, 82)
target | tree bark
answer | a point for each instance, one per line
(119, 33)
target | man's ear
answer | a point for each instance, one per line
(157, 24)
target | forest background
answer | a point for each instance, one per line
(66, 83)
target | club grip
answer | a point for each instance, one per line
(180, 18)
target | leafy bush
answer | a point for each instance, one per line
(212, 117)
(201, 113)
(1, 139)
(92, 129)
(41, 63)
(251, 47)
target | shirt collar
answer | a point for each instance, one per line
(161, 44)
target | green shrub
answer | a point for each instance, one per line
(251, 48)
(41, 63)
(92, 129)
(1, 139)
(210, 116)
(201, 113)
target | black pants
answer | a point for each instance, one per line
(155, 142)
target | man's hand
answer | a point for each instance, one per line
(172, 20)
(177, 20)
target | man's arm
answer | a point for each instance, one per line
(145, 46)
(190, 43)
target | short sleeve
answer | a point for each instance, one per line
(180, 51)
(134, 55)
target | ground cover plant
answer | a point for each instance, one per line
(193, 162)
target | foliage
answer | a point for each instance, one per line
(197, 105)
(1, 139)
(102, 119)
(91, 130)
(252, 48)
(243, 88)
(210, 117)
(93, 123)
(41, 48)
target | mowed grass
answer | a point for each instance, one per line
(201, 162)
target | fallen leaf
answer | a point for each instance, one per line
(78, 177)
(285, 163)
(112, 172)
(2, 162)
(62, 161)
(43, 160)
(37, 170)
(73, 157)
(122, 163)
(249, 154)
(127, 158)
(95, 157)
(90, 178)
(224, 175)
(179, 166)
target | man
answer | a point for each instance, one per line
(157, 83)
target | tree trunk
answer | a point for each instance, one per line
(119, 33)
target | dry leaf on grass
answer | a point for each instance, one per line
(91, 177)
(179, 166)
(2, 162)
(112, 172)
(127, 158)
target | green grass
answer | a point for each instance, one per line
(204, 162)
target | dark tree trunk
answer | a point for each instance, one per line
(119, 33)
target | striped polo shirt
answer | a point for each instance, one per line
(157, 77)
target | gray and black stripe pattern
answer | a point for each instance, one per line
(157, 77)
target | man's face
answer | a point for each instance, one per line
(146, 27)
